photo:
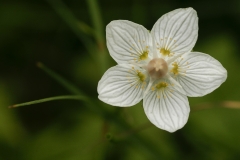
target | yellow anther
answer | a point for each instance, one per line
(175, 68)
(144, 55)
(164, 51)
(141, 76)
(161, 85)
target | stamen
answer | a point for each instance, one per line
(161, 85)
(144, 55)
(164, 51)
(141, 76)
(175, 68)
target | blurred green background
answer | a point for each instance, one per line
(69, 38)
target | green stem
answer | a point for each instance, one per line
(96, 19)
(99, 31)
(221, 104)
(71, 97)
(137, 139)
(69, 86)
(62, 10)
(98, 107)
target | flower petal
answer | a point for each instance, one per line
(122, 85)
(176, 32)
(198, 73)
(165, 106)
(128, 42)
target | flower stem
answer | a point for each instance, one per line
(96, 19)
(62, 10)
(70, 97)
(69, 86)
(222, 104)
(99, 31)
(98, 107)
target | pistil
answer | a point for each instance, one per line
(157, 68)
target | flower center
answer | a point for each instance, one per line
(157, 68)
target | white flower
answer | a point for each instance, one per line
(159, 67)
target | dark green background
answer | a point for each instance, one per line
(32, 31)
